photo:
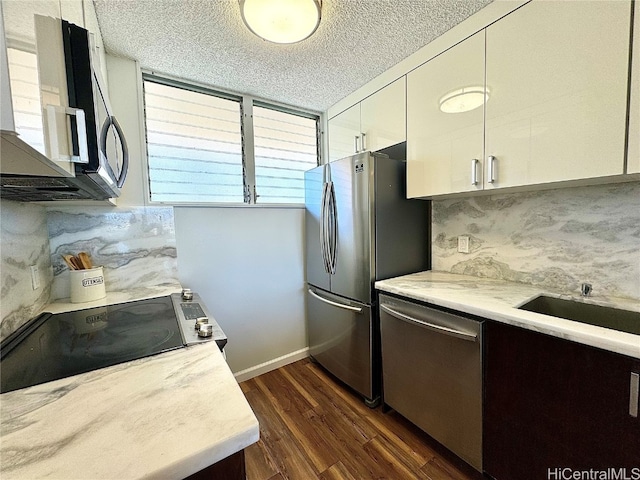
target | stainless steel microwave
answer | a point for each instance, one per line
(84, 153)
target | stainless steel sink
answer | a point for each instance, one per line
(607, 317)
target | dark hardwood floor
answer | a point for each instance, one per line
(312, 427)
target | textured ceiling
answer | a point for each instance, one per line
(206, 41)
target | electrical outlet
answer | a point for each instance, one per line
(463, 244)
(35, 277)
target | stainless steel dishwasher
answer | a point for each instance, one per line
(432, 373)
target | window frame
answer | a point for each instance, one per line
(247, 102)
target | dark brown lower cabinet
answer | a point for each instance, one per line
(553, 407)
(230, 468)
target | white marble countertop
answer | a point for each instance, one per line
(498, 300)
(165, 416)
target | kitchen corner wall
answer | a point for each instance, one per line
(24, 241)
(247, 264)
(136, 245)
(555, 238)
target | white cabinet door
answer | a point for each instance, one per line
(345, 133)
(557, 75)
(383, 117)
(377, 122)
(442, 146)
(20, 34)
(53, 91)
(633, 152)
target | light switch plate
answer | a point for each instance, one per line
(463, 244)
(35, 277)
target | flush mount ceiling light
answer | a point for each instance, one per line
(281, 21)
(464, 99)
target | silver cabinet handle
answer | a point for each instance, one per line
(474, 171)
(436, 328)
(492, 169)
(364, 135)
(335, 304)
(633, 394)
(357, 138)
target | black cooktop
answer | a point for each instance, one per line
(54, 346)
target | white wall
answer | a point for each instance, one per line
(247, 264)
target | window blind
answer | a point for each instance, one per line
(285, 146)
(209, 147)
(194, 145)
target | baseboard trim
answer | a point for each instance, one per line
(265, 367)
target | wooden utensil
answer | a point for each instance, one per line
(85, 260)
(76, 261)
(70, 261)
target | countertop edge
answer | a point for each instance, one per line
(206, 457)
(498, 310)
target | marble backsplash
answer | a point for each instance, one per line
(136, 246)
(554, 238)
(24, 241)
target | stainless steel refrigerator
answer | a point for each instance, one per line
(359, 228)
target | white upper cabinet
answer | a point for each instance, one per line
(377, 122)
(383, 117)
(445, 144)
(547, 103)
(557, 74)
(345, 133)
(633, 152)
(22, 68)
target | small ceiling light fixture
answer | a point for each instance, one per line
(464, 99)
(281, 21)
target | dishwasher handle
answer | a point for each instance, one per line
(471, 337)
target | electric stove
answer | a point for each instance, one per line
(54, 346)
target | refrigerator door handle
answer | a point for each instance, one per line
(328, 233)
(324, 228)
(333, 229)
(335, 304)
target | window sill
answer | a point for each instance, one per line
(229, 205)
